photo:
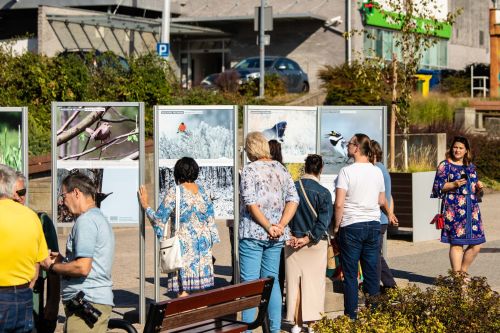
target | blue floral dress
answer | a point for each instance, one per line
(463, 225)
(197, 234)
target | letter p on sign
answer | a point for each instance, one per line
(163, 49)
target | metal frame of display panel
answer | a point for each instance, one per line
(141, 170)
(24, 138)
(157, 110)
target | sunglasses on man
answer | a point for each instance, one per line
(21, 192)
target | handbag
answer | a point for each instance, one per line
(330, 253)
(170, 248)
(438, 219)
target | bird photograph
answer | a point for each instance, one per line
(339, 143)
(277, 132)
(97, 133)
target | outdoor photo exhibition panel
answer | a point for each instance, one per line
(208, 134)
(337, 125)
(14, 138)
(292, 126)
(105, 142)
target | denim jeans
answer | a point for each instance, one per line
(259, 259)
(359, 242)
(16, 310)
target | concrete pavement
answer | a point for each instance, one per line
(418, 263)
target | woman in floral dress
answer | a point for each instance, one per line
(197, 231)
(457, 184)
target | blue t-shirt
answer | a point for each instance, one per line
(91, 237)
(387, 183)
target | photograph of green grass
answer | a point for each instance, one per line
(11, 145)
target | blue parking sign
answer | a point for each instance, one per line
(163, 49)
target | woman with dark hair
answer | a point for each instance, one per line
(275, 150)
(306, 251)
(197, 231)
(456, 183)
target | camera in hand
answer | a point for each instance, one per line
(463, 176)
(84, 309)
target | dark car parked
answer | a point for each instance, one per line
(295, 78)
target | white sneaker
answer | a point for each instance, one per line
(296, 329)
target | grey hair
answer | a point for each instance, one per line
(20, 176)
(7, 181)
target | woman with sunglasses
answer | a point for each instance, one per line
(457, 184)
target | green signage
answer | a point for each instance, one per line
(373, 16)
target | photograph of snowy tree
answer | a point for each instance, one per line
(293, 127)
(338, 125)
(205, 132)
(11, 139)
(217, 182)
(116, 196)
(97, 133)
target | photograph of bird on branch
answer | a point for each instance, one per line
(98, 133)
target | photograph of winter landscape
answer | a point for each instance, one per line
(338, 126)
(217, 182)
(116, 194)
(197, 132)
(294, 128)
(97, 133)
(11, 139)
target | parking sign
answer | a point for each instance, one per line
(163, 49)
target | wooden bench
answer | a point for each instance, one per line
(209, 311)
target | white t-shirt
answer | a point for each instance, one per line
(363, 183)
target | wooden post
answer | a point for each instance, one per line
(394, 109)
(494, 51)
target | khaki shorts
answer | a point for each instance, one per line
(75, 324)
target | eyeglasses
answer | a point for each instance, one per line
(21, 192)
(63, 195)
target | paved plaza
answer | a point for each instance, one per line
(411, 262)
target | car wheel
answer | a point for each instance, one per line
(305, 87)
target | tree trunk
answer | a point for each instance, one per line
(394, 109)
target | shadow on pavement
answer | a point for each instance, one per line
(412, 277)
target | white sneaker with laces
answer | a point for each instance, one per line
(296, 329)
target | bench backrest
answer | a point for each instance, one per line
(210, 304)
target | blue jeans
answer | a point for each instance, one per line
(259, 259)
(16, 310)
(359, 242)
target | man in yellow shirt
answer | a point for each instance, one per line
(22, 245)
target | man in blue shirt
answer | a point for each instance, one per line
(384, 271)
(89, 256)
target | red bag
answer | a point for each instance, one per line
(438, 221)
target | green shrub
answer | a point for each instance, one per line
(453, 305)
(274, 85)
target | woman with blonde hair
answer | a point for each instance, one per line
(268, 202)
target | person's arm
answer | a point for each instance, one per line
(325, 212)
(450, 186)
(259, 217)
(340, 195)
(159, 218)
(80, 267)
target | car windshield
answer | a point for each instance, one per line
(253, 63)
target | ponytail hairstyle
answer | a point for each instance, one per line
(377, 152)
(364, 145)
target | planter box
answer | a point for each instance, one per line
(413, 206)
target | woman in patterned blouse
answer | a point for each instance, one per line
(457, 184)
(268, 201)
(197, 231)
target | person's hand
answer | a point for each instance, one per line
(393, 219)
(274, 231)
(56, 257)
(143, 197)
(291, 241)
(479, 185)
(301, 242)
(459, 182)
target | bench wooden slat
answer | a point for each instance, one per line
(212, 297)
(219, 326)
(201, 314)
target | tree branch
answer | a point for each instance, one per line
(79, 128)
(102, 146)
(66, 124)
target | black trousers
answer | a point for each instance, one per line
(384, 271)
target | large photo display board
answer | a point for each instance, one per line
(292, 126)
(13, 138)
(207, 134)
(102, 141)
(337, 126)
